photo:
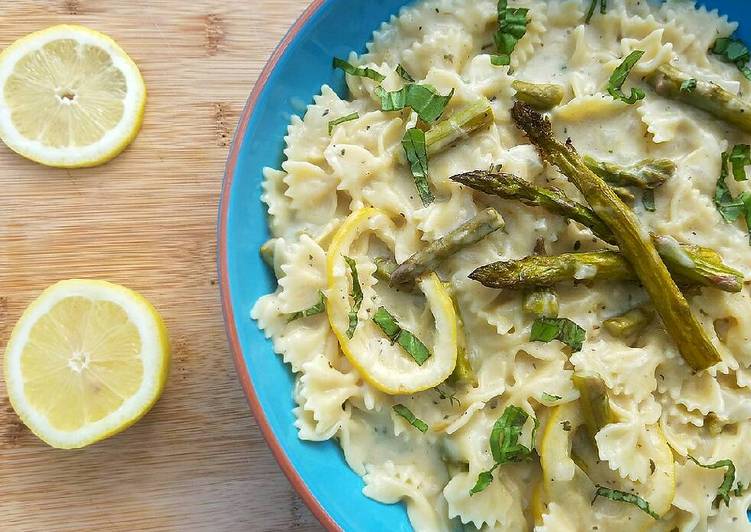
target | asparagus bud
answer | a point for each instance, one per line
(429, 258)
(458, 126)
(630, 323)
(541, 96)
(634, 242)
(646, 174)
(668, 81)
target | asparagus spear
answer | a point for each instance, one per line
(594, 402)
(535, 271)
(630, 323)
(709, 269)
(710, 97)
(458, 126)
(542, 96)
(508, 186)
(635, 244)
(542, 303)
(646, 174)
(436, 252)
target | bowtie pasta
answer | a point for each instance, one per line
(511, 266)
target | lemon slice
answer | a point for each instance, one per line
(384, 364)
(86, 360)
(70, 97)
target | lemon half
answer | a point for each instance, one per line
(384, 364)
(70, 97)
(86, 360)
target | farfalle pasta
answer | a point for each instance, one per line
(460, 309)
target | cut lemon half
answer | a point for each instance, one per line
(70, 97)
(86, 360)
(381, 361)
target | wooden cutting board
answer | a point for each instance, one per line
(147, 220)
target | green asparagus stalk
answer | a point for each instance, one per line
(646, 174)
(458, 126)
(671, 82)
(541, 96)
(634, 242)
(605, 266)
(542, 303)
(508, 186)
(630, 323)
(384, 268)
(594, 402)
(429, 258)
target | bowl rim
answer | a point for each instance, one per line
(241, 367)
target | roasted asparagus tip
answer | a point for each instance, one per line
(646, 174)
(458, 126)
(594, 402)
(630, 323)
(541, 96)
(429, 258)
(668, 81)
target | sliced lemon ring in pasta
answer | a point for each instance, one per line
(382, 362)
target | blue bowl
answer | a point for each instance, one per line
(295, 72)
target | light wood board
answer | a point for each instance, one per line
(147, 220)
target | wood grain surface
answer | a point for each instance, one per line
(147, 220)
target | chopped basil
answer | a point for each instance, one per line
(417, 155)
(591, 11)
(622, 496)
(618, 78)
(504, 444)
(483, 481)
(688, 85)
(408, 341)
(734, 51)
(362, 72)
(723, 492)
(512, 25)
(348, 118)
(562, 329)
(550, 398)
(407, 414)
(406, 76)
(318, 308)
(740, 157)
(730, 208)
(422, 99)
(648, 200)
(356, 296)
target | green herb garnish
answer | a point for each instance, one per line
(348, 118)
(619, 76)
(417, 155)
(730, 208)
(550, 398)
(733, 51)
(740, 157)
(648, 200)
(407, 414)
(688, 85)
(318, 308)
(512, 25)
(406, 76)
(504, 444)
(591, 11)
(356, 296)
(362, 72)
(622, 496)
(408, 341)
(562, 329)
(723, 492)
(422, 99)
